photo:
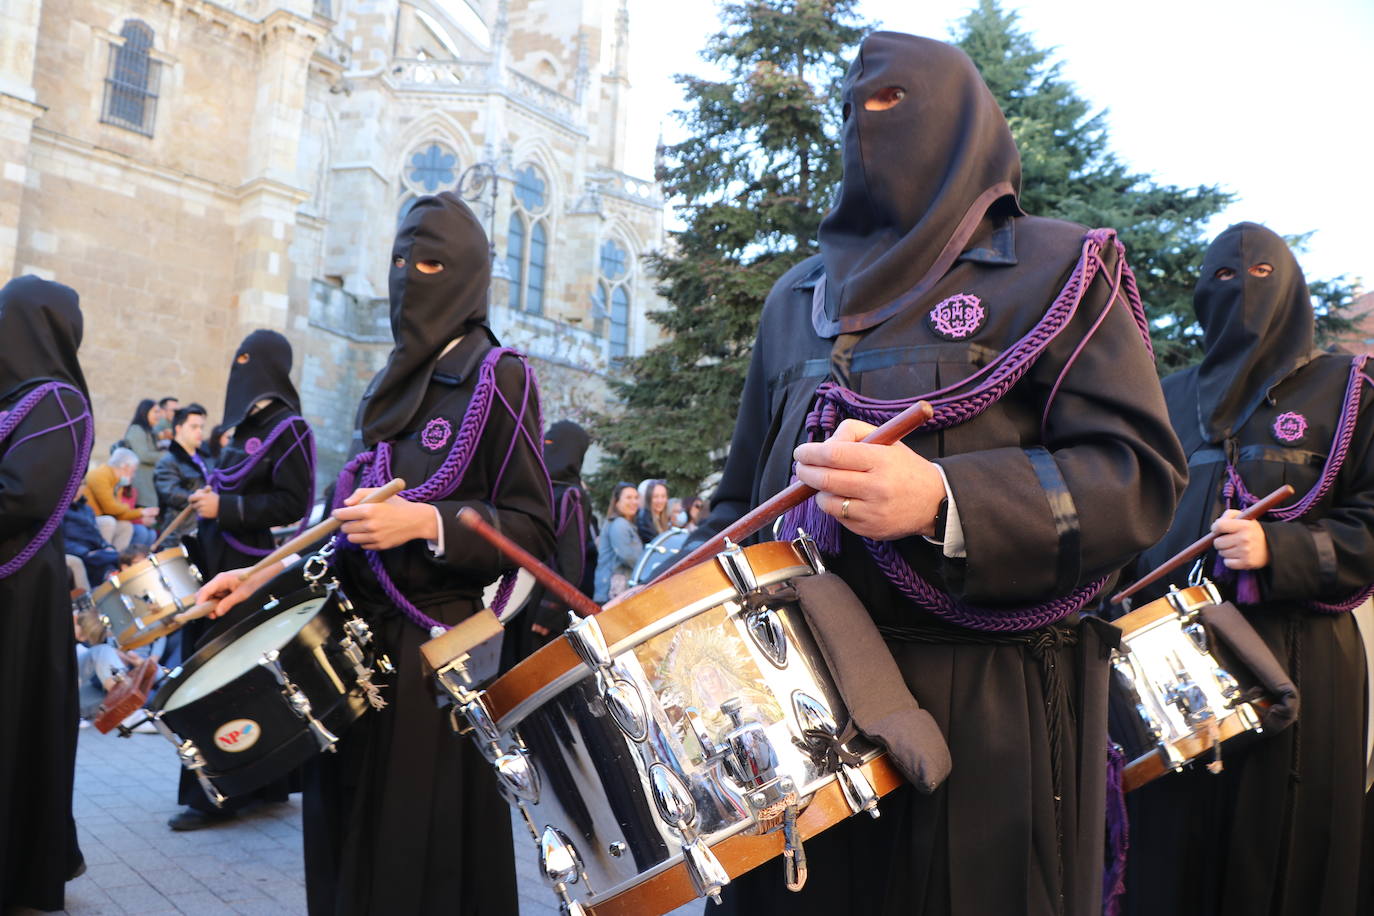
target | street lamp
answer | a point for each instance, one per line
(472, 185)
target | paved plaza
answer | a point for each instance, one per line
(126, 790)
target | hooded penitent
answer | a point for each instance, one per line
(919, 177)
(428, 310)
(261, 369)
(40, 324)
(565, 447)
(1258, 327)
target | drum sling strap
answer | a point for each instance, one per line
(81, 447)
(373, 469)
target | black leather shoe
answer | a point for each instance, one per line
(191, 819)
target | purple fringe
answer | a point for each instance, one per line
(373, 469)
(1118, 834)
(81, 445)
(824, 529)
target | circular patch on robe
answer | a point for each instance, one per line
(253, 445)
(958, 317)
(1290, 427)
(436, 434)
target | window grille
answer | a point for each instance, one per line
(131, 85)
(527, 241)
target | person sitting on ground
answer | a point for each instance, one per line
(178, 475)
(82, 540)
(102, 492)
(100, 664)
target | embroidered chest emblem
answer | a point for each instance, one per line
(436, 434)
(958, 317)
(253, 445)
(1290, 427)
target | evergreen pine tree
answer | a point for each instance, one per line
(754, 177)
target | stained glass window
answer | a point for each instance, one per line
(433, 168)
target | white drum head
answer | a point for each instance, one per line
(524, 586)
(243, 653)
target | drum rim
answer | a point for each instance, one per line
(556, 666)
(178, 678)
(151, 562)
(1147, 614)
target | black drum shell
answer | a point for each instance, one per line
(285, 740)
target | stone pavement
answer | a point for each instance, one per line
(126, 790)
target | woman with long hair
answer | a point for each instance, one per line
(653, 518)
(620, 545)
(143, 442)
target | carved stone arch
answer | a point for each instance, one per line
(545, 68)
(617, 227)
(455, 24)
(437, 125)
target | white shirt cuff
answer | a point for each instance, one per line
(436, 546)
(953, 542)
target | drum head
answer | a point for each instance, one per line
(659, 554)
(219, 663)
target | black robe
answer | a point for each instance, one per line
(1279, 830)
(406, 817)
(985, 841)
(38, 690)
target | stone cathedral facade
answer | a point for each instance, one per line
(197, 170)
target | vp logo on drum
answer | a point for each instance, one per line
(237, 735)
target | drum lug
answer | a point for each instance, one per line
(1198, 634)
(517, 776)
(621, 697)
(676, 808)
(561, 865)
(588, 641)
(707, 874)
(737, 569)
(765, 628)
(806, 546)
(359, 635)
(858, 791)
(299, 702)
(813, 716)
(193, 760)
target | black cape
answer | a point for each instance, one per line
(40, 323)
(406, 818)
(1041, 516)
(1278, 831)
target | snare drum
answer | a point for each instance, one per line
(676, 740)
(659, 554)
(1171, 701)
(274, 689)
(159, 586)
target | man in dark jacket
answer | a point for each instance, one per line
(177, 474)
(81, 538)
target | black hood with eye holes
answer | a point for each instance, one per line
(1256, 330)
(261, 369)
(918, 178)
(565, 447)
(427, 309)
(40, 324)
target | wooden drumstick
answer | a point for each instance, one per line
(301, 541)
(1199, 547)
(177, 522)
(894, 430)
(566, 592)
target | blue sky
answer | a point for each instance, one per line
(1272, 100)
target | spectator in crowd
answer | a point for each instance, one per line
(619, 546)
(141, 439)
(100, 665)
(653, 518)
(163, 428)
(213, 446)
(178, 473)
(102, 492)
(692, 512)
(83, 542)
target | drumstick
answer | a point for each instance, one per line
(177, 522)
(894, 430)
(566, 592)
(326, 527)
(1198, 547)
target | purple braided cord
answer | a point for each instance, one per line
(1118, 833)
(1234, 490)
(953, 408)
(228, 480)
(373, 469)
(10, 422)
(570, 506)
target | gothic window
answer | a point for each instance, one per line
(611, 298)
(432, 169)
(527, 241)
(131, 83)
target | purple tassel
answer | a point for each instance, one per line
(1247, 588)
(1118, 834)
(808, 517)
